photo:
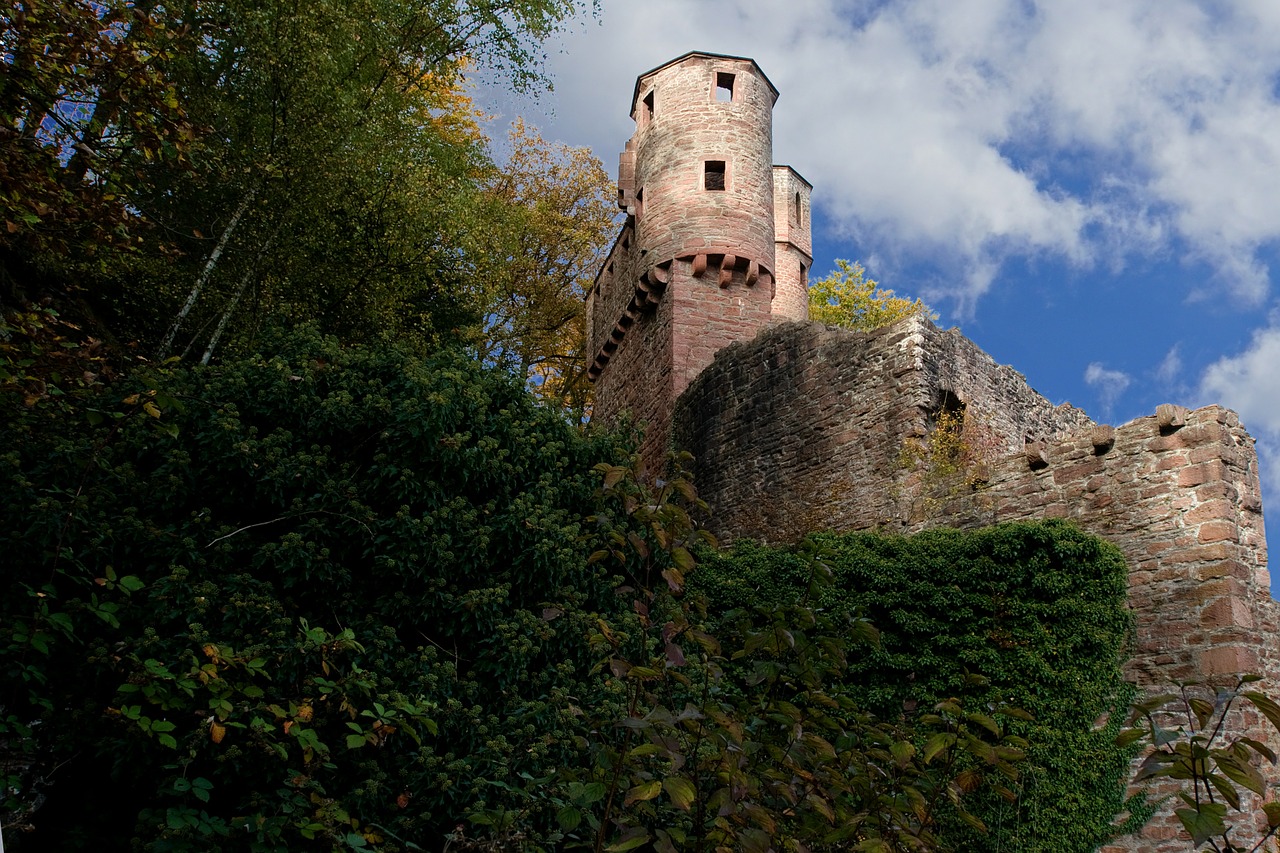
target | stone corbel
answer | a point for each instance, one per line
(726, 269)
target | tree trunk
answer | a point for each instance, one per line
(209, 267)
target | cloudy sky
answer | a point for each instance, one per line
(1089, 189)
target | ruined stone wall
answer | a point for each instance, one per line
(805, 427)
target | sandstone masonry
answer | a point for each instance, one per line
(716, 244)
(797, 427)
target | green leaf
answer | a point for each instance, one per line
(1240, 772)
(681, 791)
(132, 583)
(1202, 708)
(1203, 823)
(569, 818)
(1226, 789)
(643, 791)
(1129, 736)
(592, 792)
(683, 559)
(356, 741)
(629, 843)
(1268, 707)
(937, 744)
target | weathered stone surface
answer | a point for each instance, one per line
(799, 427)
(717, 243)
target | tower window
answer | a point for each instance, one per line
(648, 105)
(799, 211)
(804, 276)
(724, 87)
(713, 175)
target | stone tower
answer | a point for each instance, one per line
(716, 243)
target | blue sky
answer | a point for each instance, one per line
(1089, 189)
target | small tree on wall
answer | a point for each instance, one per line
(1189, 736)
(849, 299)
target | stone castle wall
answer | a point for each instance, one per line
(805, 426)
(800, 427)
(809, 428)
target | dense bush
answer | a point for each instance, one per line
(338, 598)
(294, 597)
(1037, 608)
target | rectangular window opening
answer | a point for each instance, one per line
(648, 105)
(713, 175)
(724, 87)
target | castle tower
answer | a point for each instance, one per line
(709, 216)
(793, 244)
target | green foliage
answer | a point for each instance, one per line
(197, 171)
(1037, 608)
(848, 298)
(311, 613)
(558, 212)
(752, 745)
(83, 89)
(1188, 735)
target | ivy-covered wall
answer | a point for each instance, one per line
(1038, 608)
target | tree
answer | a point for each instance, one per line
(87, 113)
(248, 163)
(556, 216)
(849, 299)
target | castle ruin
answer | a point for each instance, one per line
(697, 328)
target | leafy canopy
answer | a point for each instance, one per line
(849, 299)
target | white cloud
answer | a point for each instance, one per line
(1249, 383)
(1110, 384)
(968, 131)
(1170, 369)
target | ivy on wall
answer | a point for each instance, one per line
(1037, 608)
